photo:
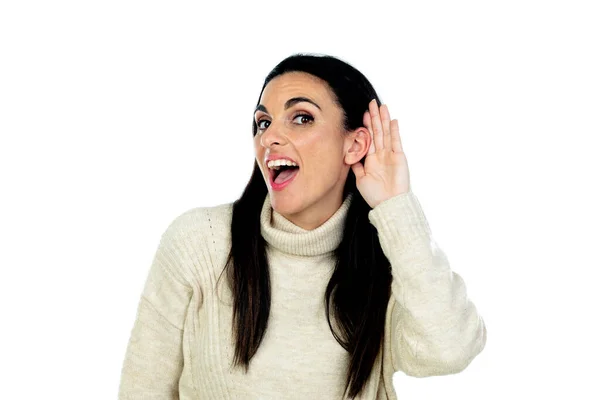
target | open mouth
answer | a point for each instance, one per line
(282, 173)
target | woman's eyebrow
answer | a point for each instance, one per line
(288, 104)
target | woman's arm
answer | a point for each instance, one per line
(435, 328)
(154, 358)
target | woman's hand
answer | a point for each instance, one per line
(385, 173)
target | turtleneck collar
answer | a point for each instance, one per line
(288, 237)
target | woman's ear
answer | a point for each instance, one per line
(358, 143)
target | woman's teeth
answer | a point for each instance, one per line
(277, 163)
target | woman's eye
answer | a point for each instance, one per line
(258, 123)
(307, 116)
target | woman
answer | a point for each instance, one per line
(334, 281)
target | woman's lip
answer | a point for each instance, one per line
(276, 157)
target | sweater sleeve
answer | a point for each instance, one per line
(154, 358)
(435, 329)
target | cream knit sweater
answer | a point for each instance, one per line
(181, 345)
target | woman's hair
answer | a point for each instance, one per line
(360, 284)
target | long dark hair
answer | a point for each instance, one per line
(360, 284)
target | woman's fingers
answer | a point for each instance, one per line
(395, 136)
(385, 123)
(376, 125)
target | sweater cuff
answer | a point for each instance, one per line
(401, 220)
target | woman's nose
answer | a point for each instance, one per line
(273, 134)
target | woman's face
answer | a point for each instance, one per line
(312, 135)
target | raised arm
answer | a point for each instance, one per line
(435, 328)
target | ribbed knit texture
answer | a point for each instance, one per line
(181, 345)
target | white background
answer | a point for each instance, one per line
(116, 116)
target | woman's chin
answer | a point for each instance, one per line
(283, 203)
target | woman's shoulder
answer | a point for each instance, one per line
(199, 239)
(201, 222)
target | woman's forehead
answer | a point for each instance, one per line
(294, 85)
